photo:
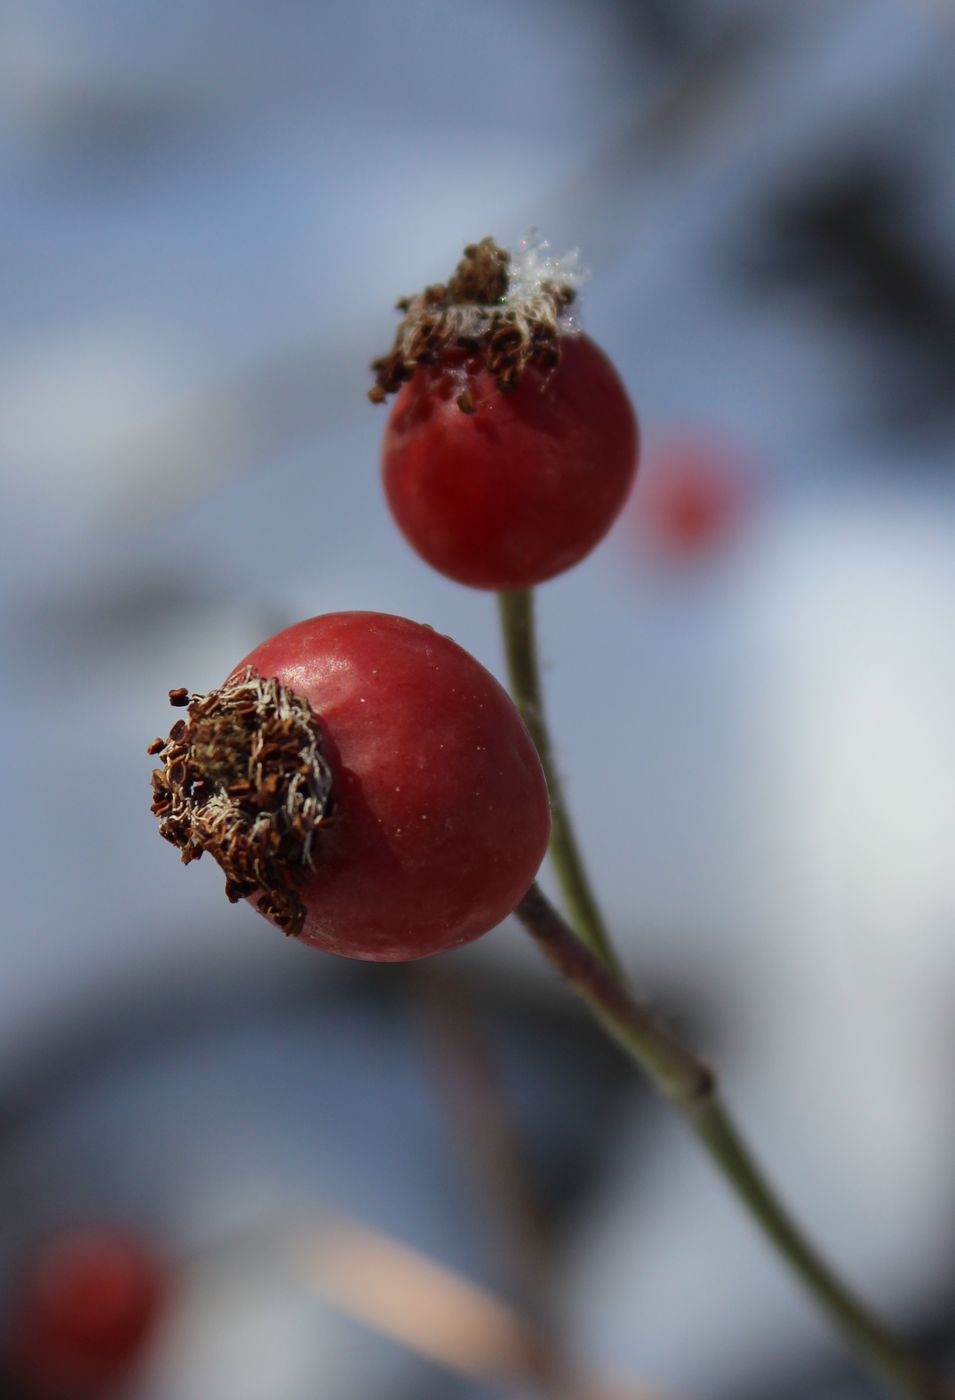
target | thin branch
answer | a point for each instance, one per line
(520, 647)
(691, 1084)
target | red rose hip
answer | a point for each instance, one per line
(86, 1309)
(512, 444)
(365, 782)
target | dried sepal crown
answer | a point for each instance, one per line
(511, 312)
(245, 779)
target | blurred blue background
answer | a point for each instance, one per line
(209, 209)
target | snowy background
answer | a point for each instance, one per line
(208, 210)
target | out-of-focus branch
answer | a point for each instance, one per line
(409, 1297)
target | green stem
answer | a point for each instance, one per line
(520, 647)
(691, 1084)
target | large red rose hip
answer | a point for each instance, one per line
(512, 445)
(365, 782)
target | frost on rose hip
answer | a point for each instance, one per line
(512, 445)
(364, 782)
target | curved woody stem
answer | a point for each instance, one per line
(691, 1085)
(520, 647)
(582, 951)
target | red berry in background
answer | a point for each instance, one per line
(87, 1307)
(693, 496)
(512, 444)
(366, 782)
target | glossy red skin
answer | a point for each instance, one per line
(89, 1303)
(442, 815)
(524, 487)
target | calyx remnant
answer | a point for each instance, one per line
(244, 778)
(478, 311)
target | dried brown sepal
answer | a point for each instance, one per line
(244, 778)
(474, 314)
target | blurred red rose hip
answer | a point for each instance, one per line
(87, 1306)
(693, 497)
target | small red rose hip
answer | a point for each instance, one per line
(365, 782)
(694, 497)
(512, 444)
(88, 1305)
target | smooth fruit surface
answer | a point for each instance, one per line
(441, 813)
(524, 486)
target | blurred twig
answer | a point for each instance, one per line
(461, 1065)
(940, 9)
(409, 1297)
